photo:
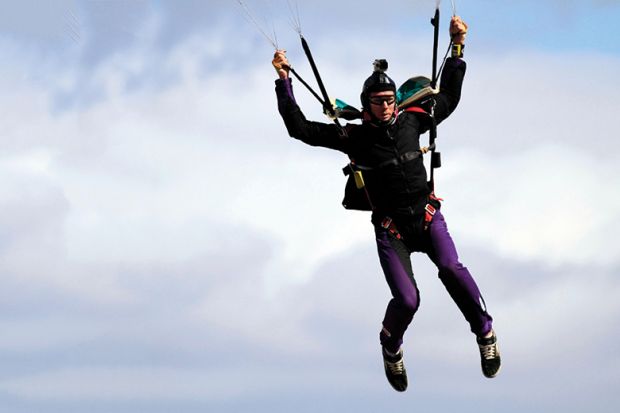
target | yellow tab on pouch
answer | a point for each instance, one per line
(359, 179)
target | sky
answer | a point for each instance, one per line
(166, 247)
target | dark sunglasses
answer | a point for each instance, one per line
(380, 100)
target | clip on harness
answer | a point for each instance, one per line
(388, 224)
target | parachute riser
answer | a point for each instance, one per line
(327, 106)
(435, 23)
(303, 82)
(435, 156)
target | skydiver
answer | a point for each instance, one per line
(387, 144)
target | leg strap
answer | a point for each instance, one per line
(389, 225)
(429, 210)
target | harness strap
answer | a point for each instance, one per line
(429, 213)
(406, 157)
(389, 225)
(416, 109)
(430, 210)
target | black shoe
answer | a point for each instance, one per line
(395, 370)
(489, 355)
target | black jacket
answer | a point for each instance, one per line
(397, 183)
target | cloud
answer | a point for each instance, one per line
(35, 21)
(167, 239)
(536, 160)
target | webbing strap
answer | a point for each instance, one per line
(388, 224)
(406, 157)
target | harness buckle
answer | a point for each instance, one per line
(430, 209)
(429, 213)
(387, 221)
(388, 224)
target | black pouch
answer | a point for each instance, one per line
(355, 198)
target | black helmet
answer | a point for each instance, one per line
(377, 82)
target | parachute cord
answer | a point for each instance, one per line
(438, 4)
(296, 24)
(445, 57)
(303, 82)
(250, 17)
(432, 147)
(325, 101)
(275, 36)
(450, 45)
(294, 19)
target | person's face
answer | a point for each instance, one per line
(382, 105)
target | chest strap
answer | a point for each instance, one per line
(406, 157)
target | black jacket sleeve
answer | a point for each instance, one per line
(450, 88)
(298, 127)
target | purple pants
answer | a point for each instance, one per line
(394, 255)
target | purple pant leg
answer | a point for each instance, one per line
(396, 264)
(456, 278)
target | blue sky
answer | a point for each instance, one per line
(165, 246)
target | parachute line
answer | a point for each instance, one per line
(295, 19)
(250, 17)
(444, 60)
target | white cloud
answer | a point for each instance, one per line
(168, 221)
(539, 168)
(550, 203)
